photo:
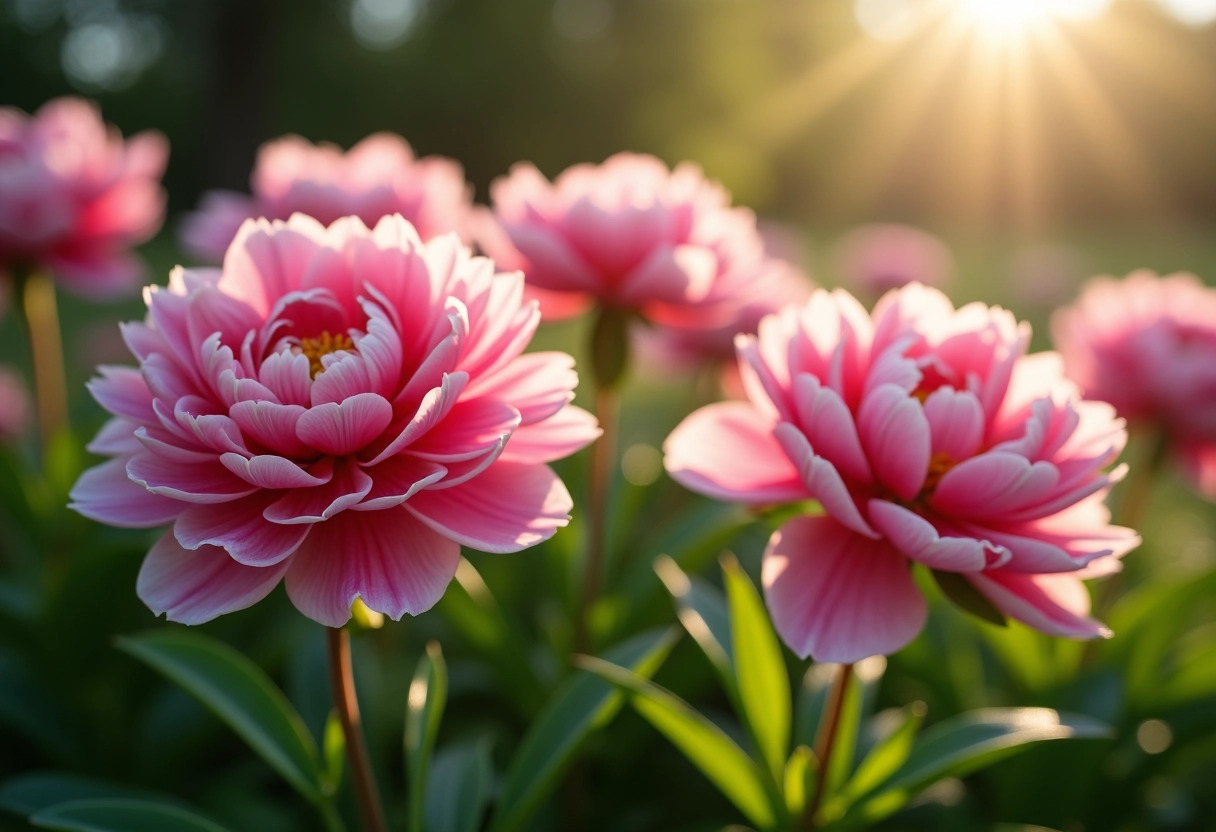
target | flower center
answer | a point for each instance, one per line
(321, 346)
(939, 464)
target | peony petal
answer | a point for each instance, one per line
(270, 471)
(508, 507)
(727, 451)
(398, 478)
(348, 486)
(193, 482)
(193, 587)
(829, 426)
(570, 430)
(123, 392)
(538, 384)
(271, 425)
(390, 560)
(823, 482)
(956, 422)
(993, 484)
(916, 538)
(471, 429)
(1055, 604)
(837, 596)
(239, 528)
(341, 429)
(106, 494)
(896, 436)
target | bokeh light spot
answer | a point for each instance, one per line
(1154, 736)
(641, 464)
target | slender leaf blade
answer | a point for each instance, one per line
(763, 683)
(581, 705)
(424, 710)
(241, 695)
(460, 781)
(121, 815)
(723, 762)
(702, 610)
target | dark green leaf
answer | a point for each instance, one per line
(424, 710)
(33, 710)
(723, 762)
(241, 695)
(884, 758)
(460, 782)
(967, 598)
(29, 794)
(121, 815)
(760, 674)
(702, 610)
(965, 743)
(584, 703)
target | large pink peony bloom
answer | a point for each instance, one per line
(378, 177)
(881, 256)
(74, 198)
(339, 408)
(627, 234)
(928, 436)
(1147, 345)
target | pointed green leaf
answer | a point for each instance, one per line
(333, 749)
(584, 703)
(424, 710)
(764, 684)
(885, 758)
(241, 695)
(965, 743)
(800, 773)
(459, 785)
(723, 762)
(29, 794)
(966, 597)
(702, 610)
(121, 815)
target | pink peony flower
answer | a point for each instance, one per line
(629, 234)
(928, 436)
(875, 258)
(74, 198)
(339, 408)
(378, 177)
(14, 406)
(1147, 345)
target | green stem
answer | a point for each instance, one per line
(599, 492)
(342, 686)
(330, 816)
(40, 312)
(825, 742)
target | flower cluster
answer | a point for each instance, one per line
(74, 197)
(339, 408)
(376, 178)
(928, 436)
(1147, 345)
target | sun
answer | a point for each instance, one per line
(1013, 20)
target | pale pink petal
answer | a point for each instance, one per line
(193, 587)
(394, 563)
(239, 528)
(271, 425)
(551, 262)
(896, 436)
(105, 493)
(348, 486)
(345, 428)
(916, 538)
(823, 482)
(123, 392)
(435, 405)
(202, 482)
(469, 430)
(727, 451)
(116, 438)
(271, 471)
(508, 507)
(837, 596)
(680, 274)
(993, 484)
(829, 426)
(956, 422)
(570, 430)
(1055, 604)
(398, 478)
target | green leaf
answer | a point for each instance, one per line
(470, 608)
(702, 610)
(333, 749)
(121, 815)
(966, 597)
(29, 794)
(460, 782)
(241, 695)
(33, 709)
(965, 743)
(799, 779)
(723, 762)
(885, 757)
(764, 684)
(424, 710)
(584, 703)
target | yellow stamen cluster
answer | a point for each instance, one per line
(323, 345)
(939, 464)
